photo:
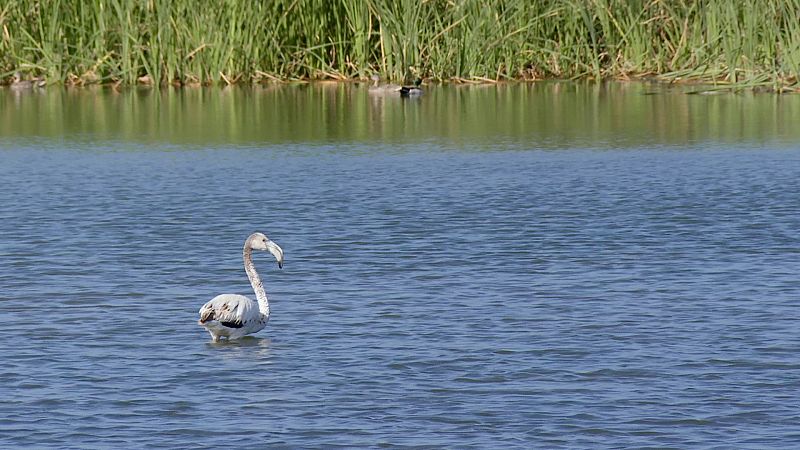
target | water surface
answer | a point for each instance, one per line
(543, 266)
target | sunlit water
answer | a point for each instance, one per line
(437, 291)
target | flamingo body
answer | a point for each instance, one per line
(232, 316)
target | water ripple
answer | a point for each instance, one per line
(515, 299)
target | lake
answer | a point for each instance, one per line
(548, 265)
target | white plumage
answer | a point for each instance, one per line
(232, 315)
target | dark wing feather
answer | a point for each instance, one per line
(206, 314)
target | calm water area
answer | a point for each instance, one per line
(548, 265)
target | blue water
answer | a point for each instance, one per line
(492, 296)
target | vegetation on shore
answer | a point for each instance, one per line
(754, 43)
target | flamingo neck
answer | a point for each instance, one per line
(255, 281)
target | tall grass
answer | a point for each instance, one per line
(235, 41)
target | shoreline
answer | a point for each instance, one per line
(710, 86)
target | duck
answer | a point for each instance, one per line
(412, 91)
(383, 89)
(19, 84)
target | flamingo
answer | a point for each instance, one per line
(232, 315)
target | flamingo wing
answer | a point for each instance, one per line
(229, 310)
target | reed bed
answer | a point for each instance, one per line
(755, 43)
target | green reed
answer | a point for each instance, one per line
(754, 43)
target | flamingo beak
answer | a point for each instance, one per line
(277, 252)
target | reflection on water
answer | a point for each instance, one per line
(552, 114)
(247, 341)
